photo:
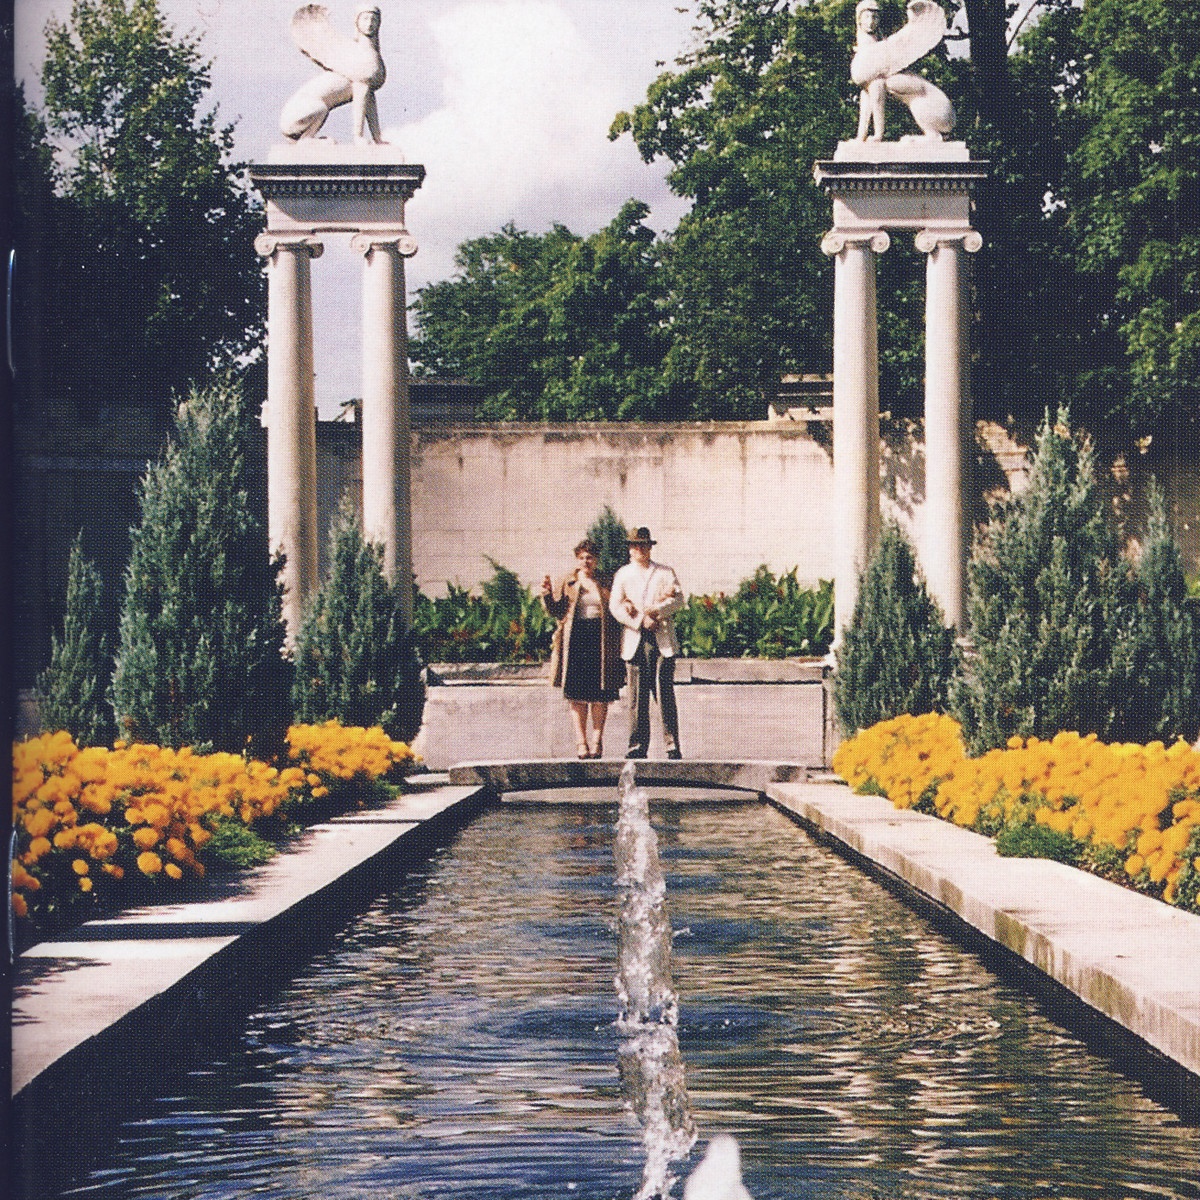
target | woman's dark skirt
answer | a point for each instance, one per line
(584, 682)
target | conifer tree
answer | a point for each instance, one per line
(201, 633)
(1157, 650)
(1047, 595)
(609, 533)
(897, 655)
(355, 660)
(71, 689)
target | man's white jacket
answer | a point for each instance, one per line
(661, 597)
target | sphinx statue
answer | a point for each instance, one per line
(351, 72)
(878, 67)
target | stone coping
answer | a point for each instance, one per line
(687, 671)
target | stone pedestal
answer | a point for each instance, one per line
(924, 186)
(316, 188)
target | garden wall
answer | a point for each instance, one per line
(720, 497)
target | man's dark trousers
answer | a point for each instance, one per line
(650, 672)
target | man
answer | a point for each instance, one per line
(645, 596)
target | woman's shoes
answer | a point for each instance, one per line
(581, 750)
(599, 750)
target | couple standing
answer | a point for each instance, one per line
(604, 631)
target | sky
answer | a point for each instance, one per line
(507, 103)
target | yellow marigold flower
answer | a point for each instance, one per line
(318, 792)
(85, 884)
(314, 780)
(38, 847)
(20, 906)
(173, 871)
(65, 839)
(113, 869)
(21, 878)
(135, 816)
(149, 863)
(79, 866)
(145, 838)
(38, 824)
(1134, 864)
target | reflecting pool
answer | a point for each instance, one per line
(460, 1040)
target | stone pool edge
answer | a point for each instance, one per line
(95, 1016)
(1120, 964)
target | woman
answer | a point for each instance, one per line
(586, 658)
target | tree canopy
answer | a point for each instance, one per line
(1085, 293)
(135, 228)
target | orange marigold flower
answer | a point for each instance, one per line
(145, 838)
(149, 863)
(173, 871)
(85, 884)
(20, 906)
(79, 866)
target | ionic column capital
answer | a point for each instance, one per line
(836, 240)
(928, 240)
(268, 243)
(402, 242)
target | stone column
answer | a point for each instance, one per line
(386, 441)
(291, 417)
(946, 537)
(855, 410)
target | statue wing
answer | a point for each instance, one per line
(320, 41)
(924, 30)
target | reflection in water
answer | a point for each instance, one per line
(650, 1066)
(459, 1041)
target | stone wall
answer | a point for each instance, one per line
(721, 498)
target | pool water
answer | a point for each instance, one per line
(459, 1040)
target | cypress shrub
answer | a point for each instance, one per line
(609, 533)
(1047, 597)
(897, 655)
(200, 660)
(355, 660)
(1156, 653)
(71, 690)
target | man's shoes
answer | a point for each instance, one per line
(674, 754)
(636, 754)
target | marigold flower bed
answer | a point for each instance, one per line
(97, 827)
(1130, 812)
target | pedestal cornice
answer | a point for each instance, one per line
(337, 197)
(835, 176)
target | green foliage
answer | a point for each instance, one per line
(556, 327)
(609, 533)
(354, 659)
(1157, 648)
(234, 846)
(1047, 597)
(896, 656)
(144, 192)
(200, 659)
(71, 690)
(765, 618)
(1038, 841)
(507, 623)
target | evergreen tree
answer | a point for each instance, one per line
(201, 632)
(897, 655)
(71, 689)
(1157, 649)
(609, 533)
(354, 658)
(1046, 595)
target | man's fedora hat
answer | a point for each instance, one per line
(641, 537)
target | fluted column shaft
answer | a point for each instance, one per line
(291, 418)
(946, 540)
(855, 412)
(386, 440)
